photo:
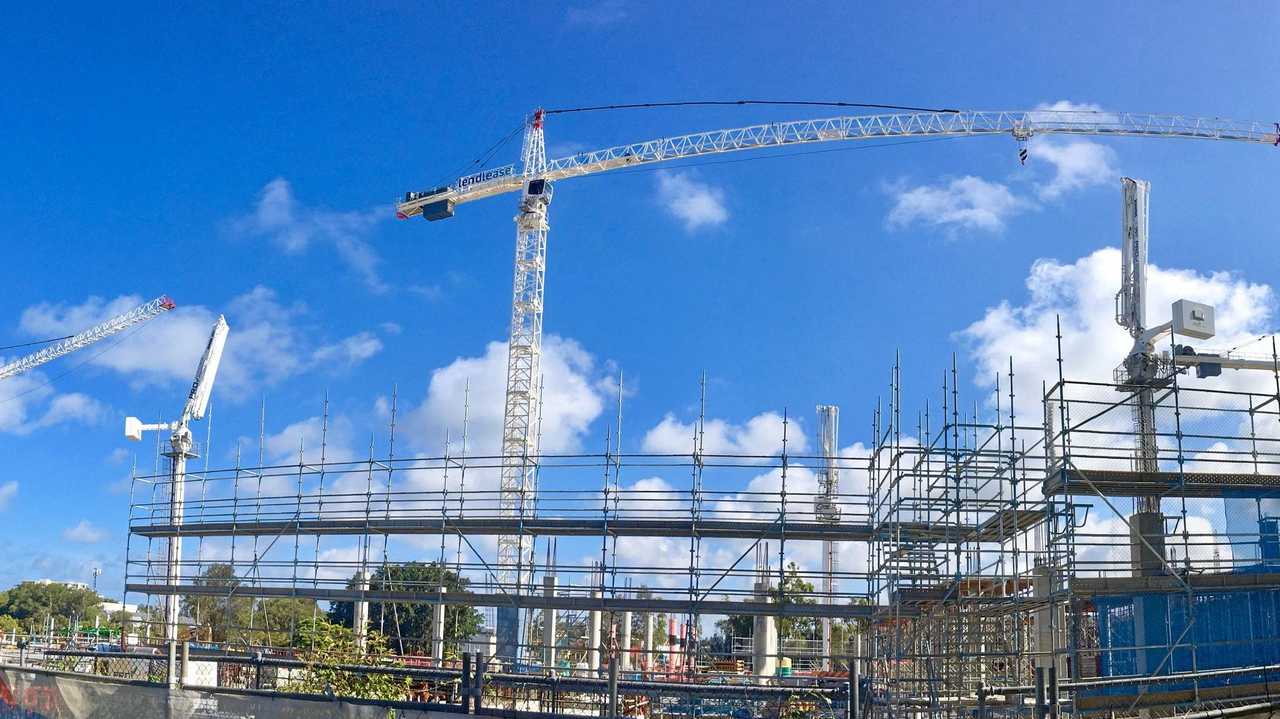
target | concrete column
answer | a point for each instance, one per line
(549, 619)
(360, 615)
(437, 629)
(1049, 620)
(1146, 558)
(671, 644)
(593, 649)
(764, 639)
(624, 651)
(648, 644)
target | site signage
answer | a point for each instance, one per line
(485, 176)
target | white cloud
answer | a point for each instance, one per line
(349, 352)
(18, 395)
(570, 399)
(963, 203)
(694, 203)
(84, 533)
(974, 203)
(294, 227)
(73, 407)
(1082, 293)
(1077, 164)
(1093, 110)
(760, 436)
(308, 436)
(30, 393)
(269, 342)
(8, 491)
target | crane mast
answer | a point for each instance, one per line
(115, 325)
(519, 482)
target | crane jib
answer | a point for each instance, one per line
(485, 176)
(1023, 124)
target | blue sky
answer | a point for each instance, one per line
(244, 159)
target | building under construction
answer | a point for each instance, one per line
(1091, 546)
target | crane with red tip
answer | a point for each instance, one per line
(97, 333)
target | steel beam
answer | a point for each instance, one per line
(536, 526)
(578, 603)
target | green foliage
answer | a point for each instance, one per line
(217, 618)
(325, 645)
(408, 626)
(32, 603)
(226, 619)
(794, 590)
(9, 624)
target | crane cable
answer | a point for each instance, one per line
(705, 103)
(74, 367)
(37, 342)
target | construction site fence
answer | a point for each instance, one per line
(465, 686)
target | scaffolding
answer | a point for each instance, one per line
(962, 539)
(673, 546)
(988, 554)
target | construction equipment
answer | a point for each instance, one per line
(181, 448)
(534, 180)
(1144, 370)
(137, 315)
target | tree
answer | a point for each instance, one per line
(9, 625)
(794, 590)
(279, 618)
(218, 619)
(233, 619)
(32, 603)
(408, 626)
(326, 645)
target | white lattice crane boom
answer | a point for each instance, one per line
(534, 183)
(137, 315)
(1021, 124)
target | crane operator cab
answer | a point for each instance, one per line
(536, 192)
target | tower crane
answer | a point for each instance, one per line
(181, 448)
(137, 315)
(533, 181)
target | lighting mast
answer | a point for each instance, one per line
(181, 448)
